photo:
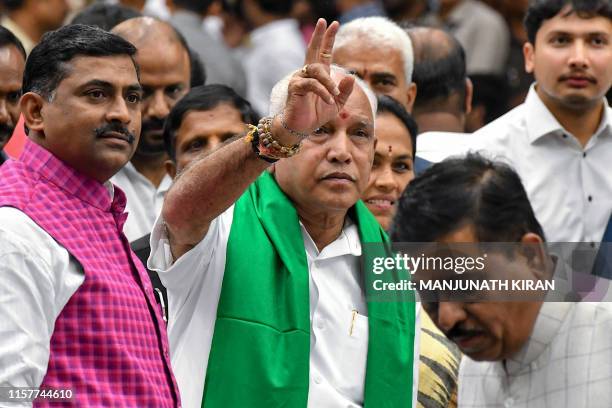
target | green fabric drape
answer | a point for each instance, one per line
(261, 344)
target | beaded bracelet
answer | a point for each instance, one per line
(270, 147)
(252, 137)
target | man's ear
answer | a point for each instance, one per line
(529, 55)
(170, 168)
(411, 96)
(533, 249)
(31, 105)
(469, 95)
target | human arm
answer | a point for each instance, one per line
(211, 184)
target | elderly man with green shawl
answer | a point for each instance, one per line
(259, 248)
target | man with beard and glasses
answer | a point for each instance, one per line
(12, 62)
(165, 74)
(77, 308)
(560, 139)
(521, 352)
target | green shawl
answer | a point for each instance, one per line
(260, 350)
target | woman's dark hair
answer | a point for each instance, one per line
(387, 104)
(461, 191)
(203, 98)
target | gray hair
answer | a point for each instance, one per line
(381, 32)
(280, 92)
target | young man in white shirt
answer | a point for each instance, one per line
(560, 140)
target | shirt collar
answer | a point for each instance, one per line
(541, 122)
(55, 171)
(347, 243)
(547, 325)
(262, 35)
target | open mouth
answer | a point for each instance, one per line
(381, 202)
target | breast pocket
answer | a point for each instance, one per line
(353, 359)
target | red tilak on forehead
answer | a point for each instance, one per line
(344, 114)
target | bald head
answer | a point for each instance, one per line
(165, 74)
(440, 75)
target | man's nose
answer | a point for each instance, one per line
(339, 148)
(579, 56)
(449, 314)
(119, 111)
(157, 106)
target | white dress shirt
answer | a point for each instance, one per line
(337, 359)
(144, 200)
(570, 187)
(38, 278)
(567, 363)
(275, 50)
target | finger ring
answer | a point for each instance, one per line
(305, 70)
(325, 55)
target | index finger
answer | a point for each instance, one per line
(314, 45)
(327, 44)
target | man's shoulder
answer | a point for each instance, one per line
(508, 128)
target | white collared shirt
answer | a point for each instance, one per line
(275, 50)
(144, 200)
(569, 187)
(566, 363)
(337, 357)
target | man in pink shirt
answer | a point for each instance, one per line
(77, 309)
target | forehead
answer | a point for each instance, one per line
(569, 21)
(371, 57)
(357, 107)
(390, 131)
(221, 118)
(11, 65)
(163, 61)
(118, 70)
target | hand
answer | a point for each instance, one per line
(313, 97)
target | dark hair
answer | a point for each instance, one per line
(197, 6)
(13, 4)
(203, 98)
(7, 38)
(104, 16)
(487, 194)
(439, 72)
(46, 66)
(198, 72)
(276, 7)
(390, 105)
(540, 10)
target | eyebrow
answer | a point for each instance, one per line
(383, 75)
(108, 85)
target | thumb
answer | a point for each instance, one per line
(346, 88)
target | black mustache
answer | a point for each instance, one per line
(115, 127)
(153, 124)
(458, 331)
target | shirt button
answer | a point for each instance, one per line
(564, 136)
(590, 198)
(584, 154)
(509, 403)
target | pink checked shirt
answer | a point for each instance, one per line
(109, 345)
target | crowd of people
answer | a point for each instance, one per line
(189, 191)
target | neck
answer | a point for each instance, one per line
(582, 122)
(323, 228)
(28, 25)
(152, 167)
(440, 122)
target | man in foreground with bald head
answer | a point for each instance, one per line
(165, 74)
(259, 244)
